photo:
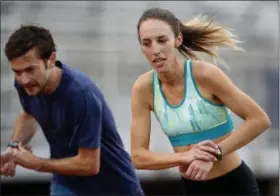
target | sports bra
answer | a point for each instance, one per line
(195, 119)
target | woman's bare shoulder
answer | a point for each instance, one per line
(142, 90)
(203, 71)
(144, 82)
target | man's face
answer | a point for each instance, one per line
(31, 72)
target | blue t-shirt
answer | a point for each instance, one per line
(77, 116)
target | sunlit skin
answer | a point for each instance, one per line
(35, 75)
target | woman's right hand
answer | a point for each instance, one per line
(207, 146)
(205, 151)
(196, 154)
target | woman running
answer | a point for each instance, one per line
(192, 100)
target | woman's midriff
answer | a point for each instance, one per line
(220, 168)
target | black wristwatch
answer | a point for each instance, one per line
(13, 144)
(220, 156)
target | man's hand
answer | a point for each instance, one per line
(25, 158)
(8, 166)
(5, 157)
(198, 170)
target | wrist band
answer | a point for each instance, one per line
(13, 144)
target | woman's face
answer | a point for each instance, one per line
(159, 44)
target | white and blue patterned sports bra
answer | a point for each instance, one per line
(195, 119)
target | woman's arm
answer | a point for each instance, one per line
(256, 121)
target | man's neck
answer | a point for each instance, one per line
(53, 81)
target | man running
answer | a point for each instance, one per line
(87, 153)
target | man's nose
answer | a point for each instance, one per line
(24, 79)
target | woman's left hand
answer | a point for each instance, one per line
(198, 170)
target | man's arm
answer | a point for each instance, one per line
(80, 165)
(26, 125)
(88, 124)
(25, 128)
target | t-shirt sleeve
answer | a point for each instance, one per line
(88, 120)
(22, 97)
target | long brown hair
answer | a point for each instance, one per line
(199, 35)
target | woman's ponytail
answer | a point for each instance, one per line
(205, 37)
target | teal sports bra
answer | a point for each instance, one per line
(195, 119)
